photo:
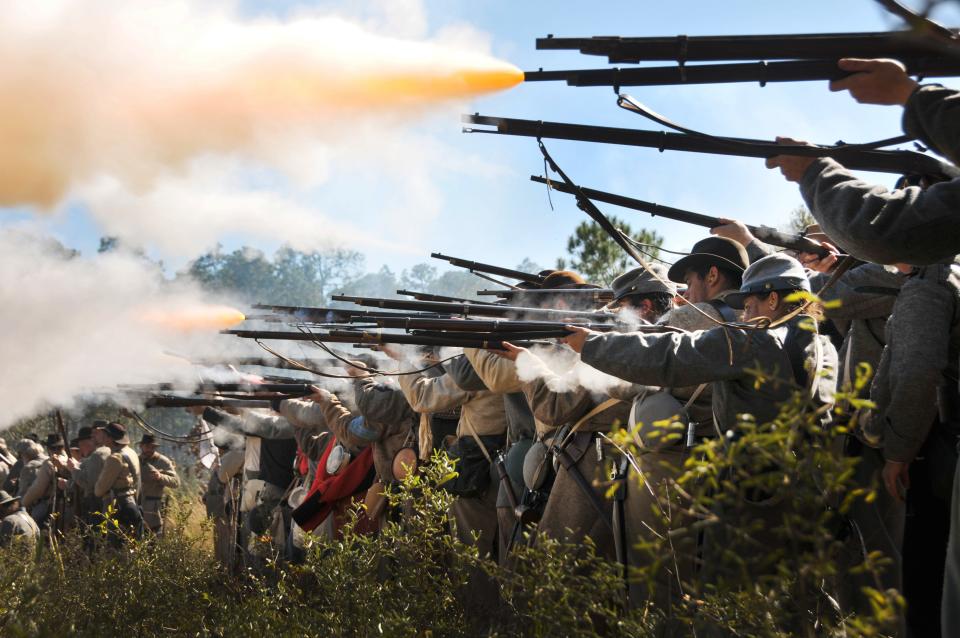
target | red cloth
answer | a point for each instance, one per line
(329, 493)
(303, 464)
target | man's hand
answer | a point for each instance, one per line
(813, 261)
(577, 338)
(735, 230)
(896, 478)
(61, 483)
(875, 81)
(358, 369)
(73, 464)
(509, 351)
(791, 166)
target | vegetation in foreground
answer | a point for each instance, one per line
(416, 580)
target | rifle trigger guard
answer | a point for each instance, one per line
(616, 80)
(763, 73)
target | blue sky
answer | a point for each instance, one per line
(493, 213)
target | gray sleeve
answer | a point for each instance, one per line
(671, 359)
(932, 115)
(304, 414)
(266, 426)
(757, 250)
(905, 388)
(859, 292)
(870, 222)
(381, 403)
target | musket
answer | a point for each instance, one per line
(213, 402)
(302, 389)
(419, 338)
(765, 234)
(599, 295)
(477, 309)
(478, 267)
(810, 46)
(761, 72)
(427, 296)
(264, 362)
(481, 325)
(851, 156)
(326, 315)
(62, 429)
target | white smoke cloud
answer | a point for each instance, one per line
(563, 371)
(73, 325)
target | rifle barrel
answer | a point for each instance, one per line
(481, 325)
(899, 162)
(681, 48)
(328, 315)
(214, 402)
(581, 294)
(478, 309)
(763, 233)
(760, 71)
(491, 270)
(427, 296)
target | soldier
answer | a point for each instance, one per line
(119, 481)
(7, 461)
(159, 473)
(644, 293)
(84, 474)
(15, 523)
(727, 358)
(32, 459)
(40, 496)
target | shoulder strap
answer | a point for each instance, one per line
(727, 313)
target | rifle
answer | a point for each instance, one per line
(597, 295)
(480, 325)
(420, 337)
(773, 236)
(213, 402)
(809, 46)
(477, 309)
(62, 500)
(301, 389)
(426, 296)
(477, 267)
(852, 156)
(328, 315)
(760, 71)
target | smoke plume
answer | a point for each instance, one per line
(73, 325)
(135, 89)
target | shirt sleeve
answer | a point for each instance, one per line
(671, 359)
(908, 225)
(38, 489)
(112, 467)
(429, 395)
(497, 373)
(932, 114)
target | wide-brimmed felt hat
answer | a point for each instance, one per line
(773, 273)
(5, 498)
(117, 432)
(54, 441)
(641, 281)
(148, 439)
(85, 433)
(712, 251)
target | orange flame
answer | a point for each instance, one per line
(195, 318)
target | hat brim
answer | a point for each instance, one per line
(9, 500)
(682, 265)
(123, 440)
(736, 299)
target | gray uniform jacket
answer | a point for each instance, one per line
(866, 294)
(86, 475)
(721, 356)
(922, 346)
(909, 225)
(18, 524)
